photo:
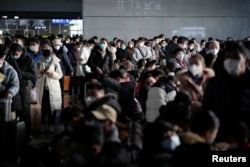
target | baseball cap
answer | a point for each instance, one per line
(105, 112)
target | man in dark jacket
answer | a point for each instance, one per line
(126, 93)
(25, 68)
(100, 60)
(228, 93)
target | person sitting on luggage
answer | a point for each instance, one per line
(9, 83)
(48, 74)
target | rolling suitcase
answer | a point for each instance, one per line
(36, 117)
(12, 140)
(12, 135)
(5, 110)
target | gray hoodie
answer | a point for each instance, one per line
(10, 83)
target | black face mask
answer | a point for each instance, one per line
(46, 53)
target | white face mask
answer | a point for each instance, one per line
(141, 44)
(180, 56)
(191, 47)
(232, 66)
(89, 100)
(33, 48)
(90, 48)
(57, 47)
(172, 143)
(195, 69)
(78, 49)
(214, 51)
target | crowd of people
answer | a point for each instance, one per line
(145, 102)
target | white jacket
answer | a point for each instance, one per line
(82, 60)
(52, 81)
(156, 98)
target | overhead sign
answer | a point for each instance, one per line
(61, 21)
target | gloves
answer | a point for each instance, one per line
(2, 77)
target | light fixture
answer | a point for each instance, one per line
(4, 17)
(16, 17)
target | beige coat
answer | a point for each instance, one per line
(53, 82)
(196, 91)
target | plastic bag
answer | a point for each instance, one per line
(34, 95)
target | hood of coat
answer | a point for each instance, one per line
(191, 138)
(5, 67)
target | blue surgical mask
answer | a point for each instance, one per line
(15, 56)
(47, 60)
(123, 47)
(102, 46)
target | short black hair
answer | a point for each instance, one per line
(35, 40)
(47, 41)
(3, 51)
(94, 85)
(121, 73)
(174, 37)
(78, 43)
(178, 50)
(182, 40)
(69, 112)
(141, 63)
(91, 41)
(15, 47)
(150, 63)
(203, 121)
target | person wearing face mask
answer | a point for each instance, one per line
(130, 49)
(212, 53)
(9, 82)
(181, 42)
(160, 140)
(25, 68)
(178, 59)
(101, 61)
(163, 49)
(122, 52)
(35, 53)
(199, 141)
(34, 49)
(228, 93)
(192, 48)
(68, 43)
(48, 72)
(74, 82)
(141, 51)
(194, 80)
(81, 65)
(21, 41)
(145, 81)
(66, 67)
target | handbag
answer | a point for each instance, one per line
(34, 95)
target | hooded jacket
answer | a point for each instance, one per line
(10, 83)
